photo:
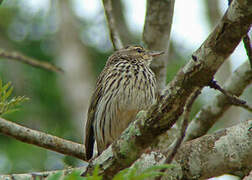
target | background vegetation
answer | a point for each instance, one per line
(54, 31)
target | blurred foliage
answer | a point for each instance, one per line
(46, 110)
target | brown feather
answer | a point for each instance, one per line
(125, 86)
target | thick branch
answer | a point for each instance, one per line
(226, 151)
(156, 34)
(114, 34)
(211, 112)
(194, 76)
(179, 140)
(175, 146)
(42, 139)
(27, 60)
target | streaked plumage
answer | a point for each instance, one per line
(125, 86)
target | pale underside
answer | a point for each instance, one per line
(126, 93)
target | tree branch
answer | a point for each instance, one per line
(156, 34)
(245, 106)
(40, 175)
(42, 139)
(114, 34)
(27, 60)
(193, 77)
(177, 143)
(249, 177)
(232, 99)
(226, 151)
(211, 112)
(120, 22)
(248, 47)
(175, 146)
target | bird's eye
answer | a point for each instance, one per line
(140, 50)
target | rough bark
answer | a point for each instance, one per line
(193, 77)
(214, 15)
(226, 151)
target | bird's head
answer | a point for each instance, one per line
(137, 53)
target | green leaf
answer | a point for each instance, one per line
(95, 175)
(75, 175)
(11, 111)
(121, 174)
(4, 89)
(8, 93)
(0, 87)
(55, 176)
(6, 86)
(132, 173)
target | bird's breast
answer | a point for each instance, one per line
(127, 90)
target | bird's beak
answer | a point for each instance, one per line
(155, 53)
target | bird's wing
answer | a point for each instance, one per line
(89, 130)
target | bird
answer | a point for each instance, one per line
(125, 86)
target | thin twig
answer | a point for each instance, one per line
(248, 46)
(234, 100)
(246, 106)
(30, 61)
(114, 34)
(41, 139)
